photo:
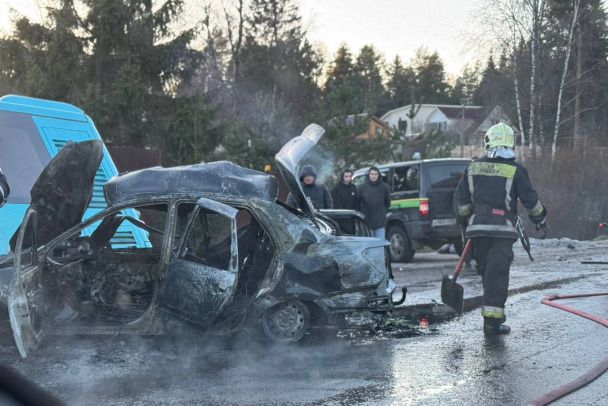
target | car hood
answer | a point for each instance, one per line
(288, 160)
(64, 189)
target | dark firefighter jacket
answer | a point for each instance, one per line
(345, 196)
(375, 199)
(488, 193)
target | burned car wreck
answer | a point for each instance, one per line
(205, 247)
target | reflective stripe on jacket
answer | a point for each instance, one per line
(488, 193)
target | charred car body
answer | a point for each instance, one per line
(223, 254)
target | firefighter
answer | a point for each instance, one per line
(487, 206)
(4, 189)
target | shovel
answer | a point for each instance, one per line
(452, 293)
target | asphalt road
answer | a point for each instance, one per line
(449, 363)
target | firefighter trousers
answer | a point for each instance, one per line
(494, 256)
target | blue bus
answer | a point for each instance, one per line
(31, 132)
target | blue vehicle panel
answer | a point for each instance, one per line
(31, 132)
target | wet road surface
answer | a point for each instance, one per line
(451, 363)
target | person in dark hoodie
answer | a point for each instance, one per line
(374, 200)
(318, 194)
(345, 196)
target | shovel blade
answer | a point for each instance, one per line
(452, 294)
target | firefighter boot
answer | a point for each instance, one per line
(494, 326)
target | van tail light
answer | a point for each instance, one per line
(424, 207)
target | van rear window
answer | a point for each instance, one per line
(446, 176)
(405, 178)
(22, 154)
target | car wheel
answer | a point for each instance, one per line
(286, 322)
(401, 247)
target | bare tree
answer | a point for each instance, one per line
(235, 23)
(235, 27)
(506, 25)
(562, 83)
(536, 9)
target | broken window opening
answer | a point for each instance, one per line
(105, 276)
(208, 243)
(209, 240)
(255, 253)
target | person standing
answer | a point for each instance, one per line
(345, 196)
(4, 189)
(318, 194)
(487, 206)
(374, 200)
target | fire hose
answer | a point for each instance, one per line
(589, 376)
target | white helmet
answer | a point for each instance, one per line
(499, 135)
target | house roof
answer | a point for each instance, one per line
(454, 112)
(450, 110)
(350, 120)
(474, 115)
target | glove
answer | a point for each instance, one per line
(540, 217)
(543, 228)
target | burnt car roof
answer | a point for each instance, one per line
(216, 178)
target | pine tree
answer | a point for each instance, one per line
(401, 79)
(119, 61)
(341, 70)
(368, 77)
(431, 84)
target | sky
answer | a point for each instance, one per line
(26, 7)
(394, 27)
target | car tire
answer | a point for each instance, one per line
(400, 246)
(286, 322)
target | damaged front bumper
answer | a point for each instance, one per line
(360, 309)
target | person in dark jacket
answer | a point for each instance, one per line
(4, 189)
(345, 196)
(374, 200)
(487, 206)
(318, 194)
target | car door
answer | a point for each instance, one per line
(25, 295)
(201, 278)
(442, 180)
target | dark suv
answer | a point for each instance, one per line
(422, 211)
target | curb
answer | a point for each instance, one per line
(437, 310)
